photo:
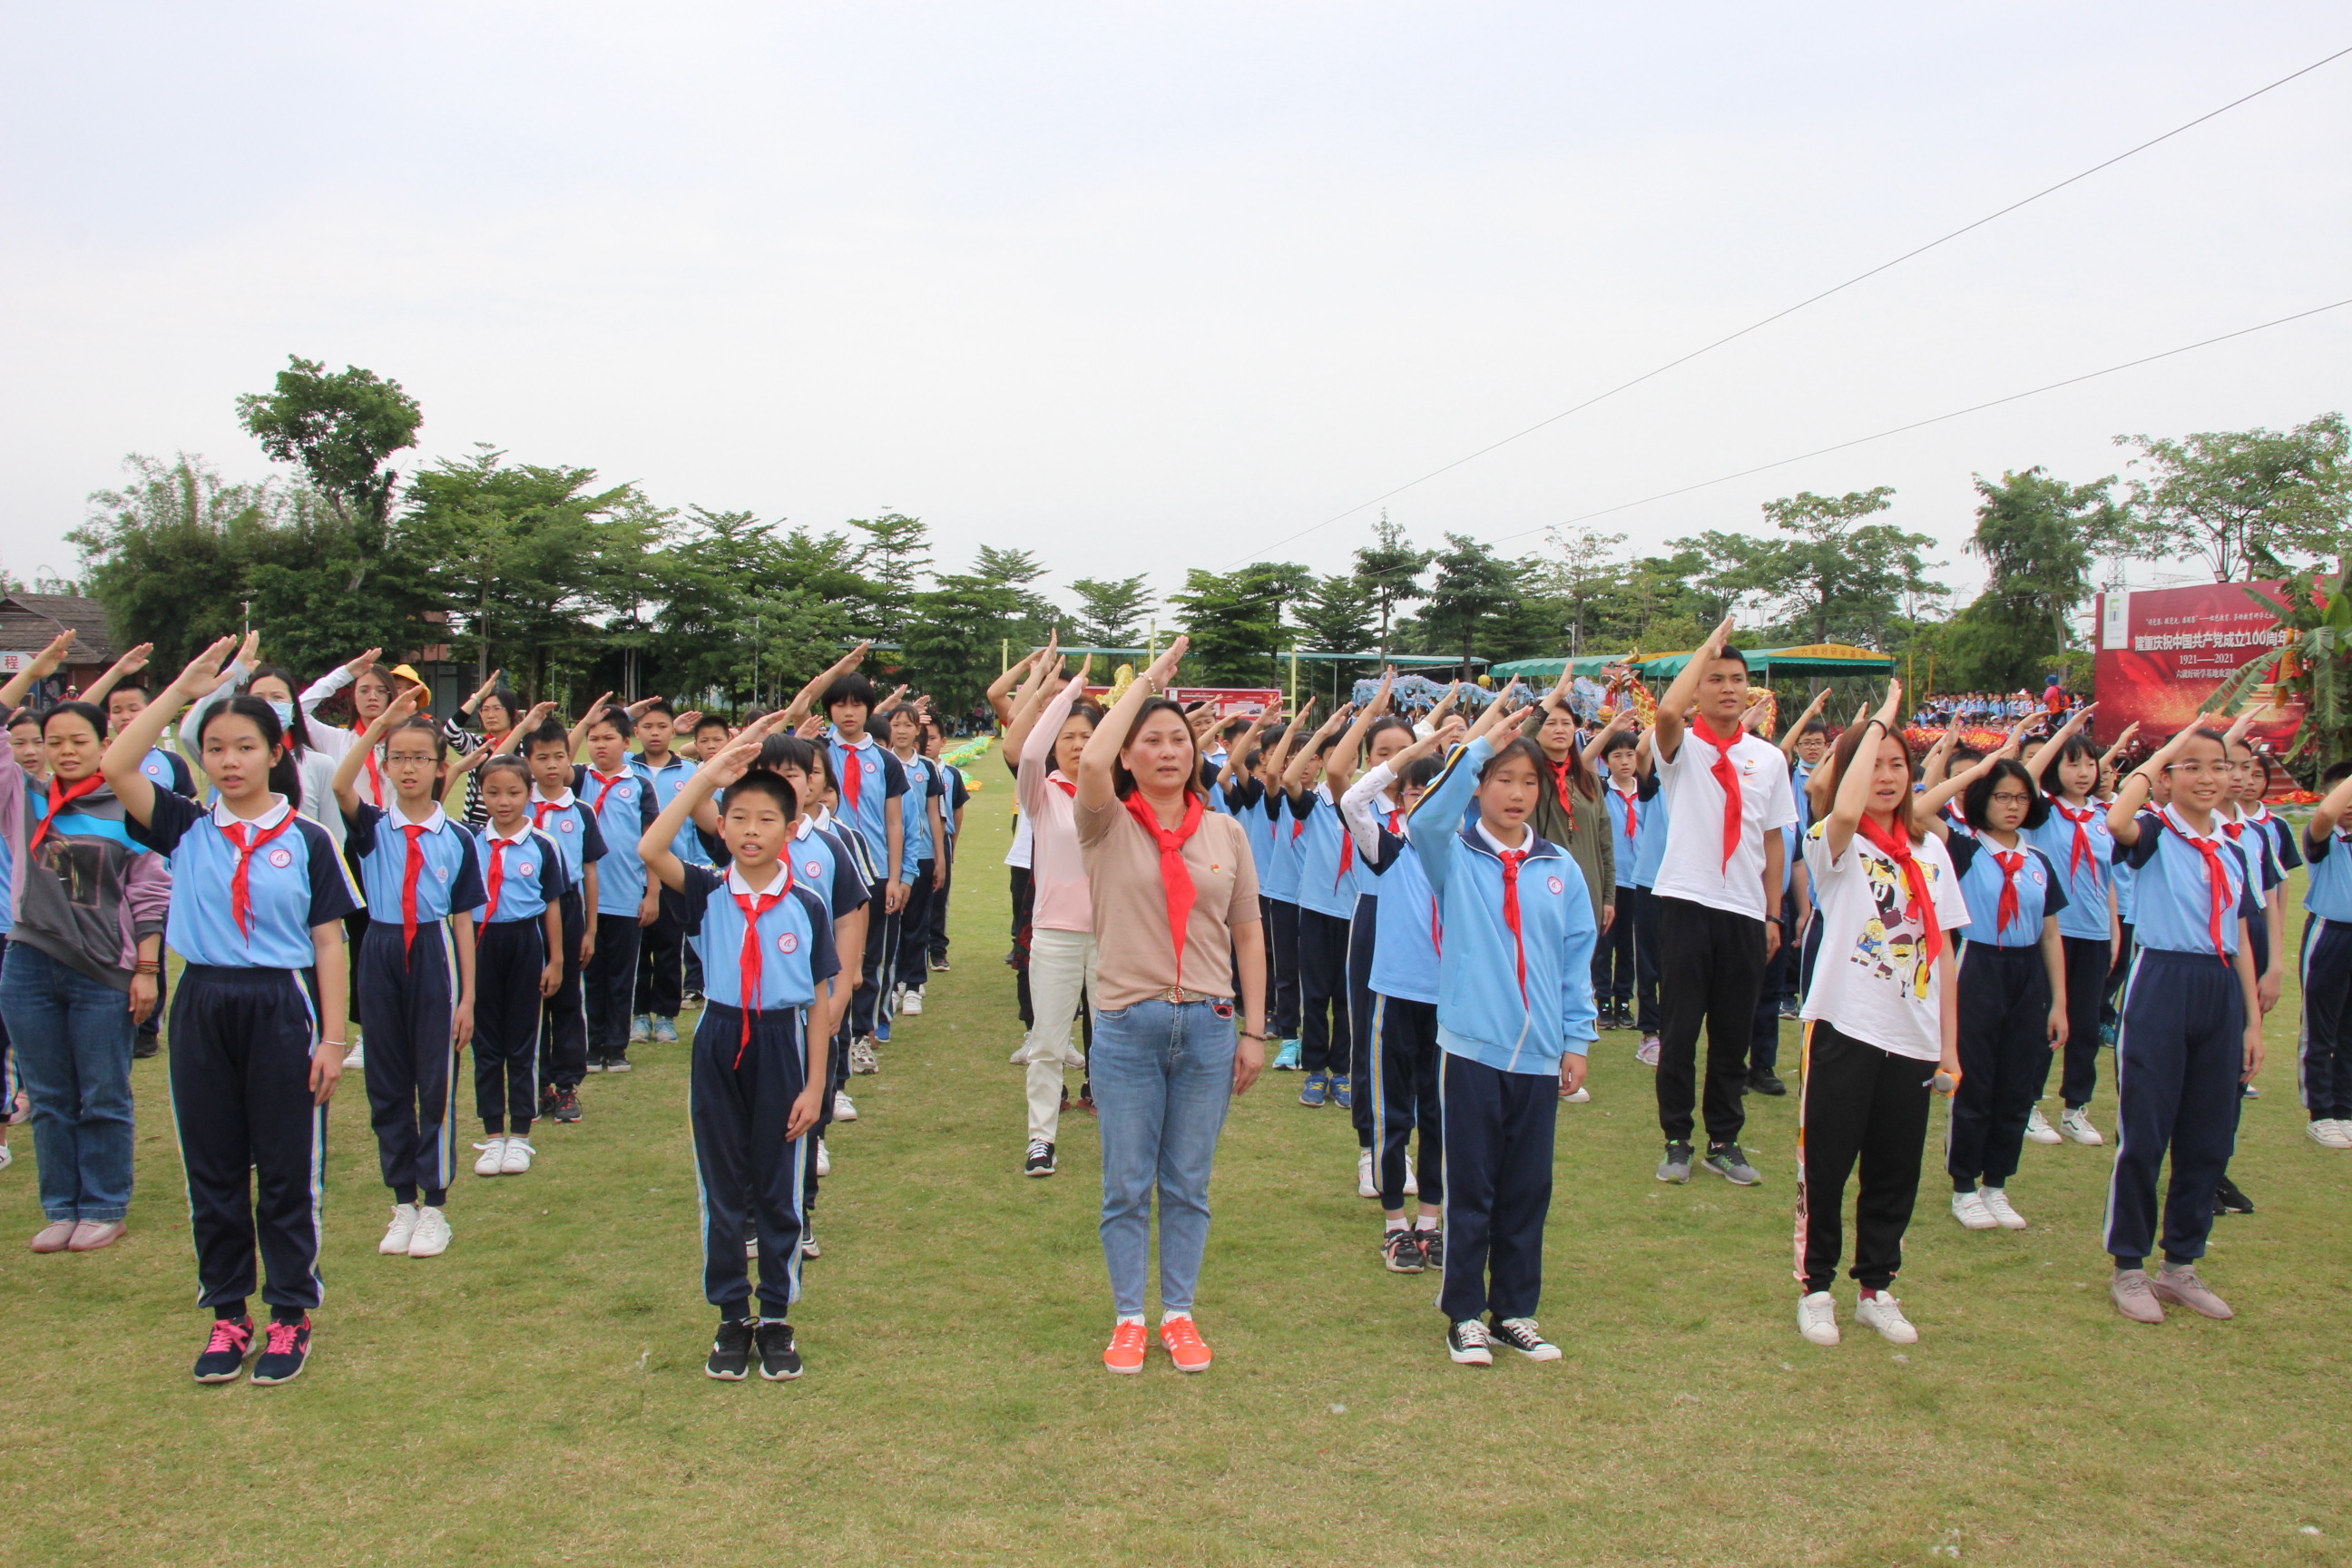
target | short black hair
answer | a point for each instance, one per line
(710, 721)
(1521, 746)
(1976, 799)
(659, 705)
(618, 717)
(1816, 725)
(851, 688)
(130, 683)
(787, 752)
(2337, 771)
(88, 712)
(24, 715)
(1623, 741)
(504, 763)
(775, 786)
(549, 733)
(1422, 772)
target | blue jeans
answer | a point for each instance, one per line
(1163, 1074)
(71, 1036)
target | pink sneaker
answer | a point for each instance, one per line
(89, 1235)
(54, 1236)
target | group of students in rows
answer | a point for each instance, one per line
(1952, 923)
(319, 879)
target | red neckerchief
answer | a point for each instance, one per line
(2080, 851)
(610, 785)
(1728, 777)
(2010, 862)
(2216, 876)
(497, 876)
(1626, 797)
(1511, 858)
(1918, 901)
(240, 893)
(1346, 851)
(408, 875)
(753, 906)
(59, 799)
(1559, 787)
(1065, 785)
(540, 808)
(1175, 878)
(853, 777)
(376, 778)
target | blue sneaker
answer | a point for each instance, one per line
(1311, 1092)
(1342, 1092)
(1287, 1058)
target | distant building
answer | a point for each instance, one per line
(29, 622)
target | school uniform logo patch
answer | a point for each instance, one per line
(525, 869)
(871, 768)
(787, 943)
(564, 826)
(1556, 885)
(813, 867)
(281, 858)
(442, 872)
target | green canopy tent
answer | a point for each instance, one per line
(1813, 661)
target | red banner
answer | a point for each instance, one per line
(1231, 701)
(2163, 652)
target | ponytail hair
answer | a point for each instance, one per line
(285, 772)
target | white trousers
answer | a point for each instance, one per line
(1061, 977)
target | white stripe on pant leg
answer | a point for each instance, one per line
(1379, 1097)
(2311, 934)
(2123, 1006)
(1804, 1094)
(799, 1156)
(444, 1150)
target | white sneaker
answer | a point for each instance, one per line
(396, 1234)
(1884, 1313)
(824, 1160)
(1365, 1187)
(2038, 1130)
(1970, 1209)
(1996, 1203)
(2329, 1134)
(641, 1029)
(2076, 1124)
(6, 1158)
(862, 1059)
(517, 1157)
(1817, 1318)
(357, 1056)
(1412, 1181)
(910, 1004)
(1647, 1052)
(494, 1157)
(843, 1110)
(1583, 1096)
(809, 1248)
(431, 1238)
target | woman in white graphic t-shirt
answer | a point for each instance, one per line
(1879, 1023)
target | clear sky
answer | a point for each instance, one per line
(1144, 287)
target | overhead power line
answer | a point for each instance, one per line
(1814, 299)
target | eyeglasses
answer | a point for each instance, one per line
(2010, 797)
(425, 757)
(2201, 770)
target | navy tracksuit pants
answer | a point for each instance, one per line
(1361, 932)
(1282, 919)
(2004, 1047)
(869, 1005)
(609, 988)
(563, 1042)
(2324, 1063)
(1404, 1094)
(1645, 957)
(2178, 1061)
(1323, 1034)
(661, 958)
(1498, 1148)
(507, 1017)
(740, 1097)
(241, 1042)
(1612, 956)
(913, 965)
(405, 1003)
(2087, 958)
(1780, 983)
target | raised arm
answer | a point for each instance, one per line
(2138, 787)
(346, 781)
(1812, 711)
(40, 668)
(662, 864)
(1095, 786)
(120, 765)
(1853, 790)
(131, 663)
(1302, 759)
(1343, 764)
(529, 721)
(2066, 732)
(999, 691)
(799, 706)
(595, 710)
(1622, 721)
(1683, 694)
(1240, 750)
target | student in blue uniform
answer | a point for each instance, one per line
(923, 832)
(2192, 1028)
(2013, 984)
(1649, 855)
(957, 794)
(125, 699)
(661, 953)
(564, 818)
(1376, 735)
(757, 1080)
(517, 963)
(1327, 899)
(2324, 1069)
(1400, 1085)
(621, 802)
(869, 782)
(1515, 1019)
(258, 899)
(415, 969)
(1621, 804)
(1280, 891)
(2074, 840)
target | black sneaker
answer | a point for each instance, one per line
(284, 1352)
(1040, 1159)
(547, 1099)
(225, 1353)
(731, 1353)
(1763, 1082)
(567, 1105)
(595, 1061)
(779, 1361)
(939, 962)
(1401, 1253)
(2228, 1199)
(142, 1046)
(1523, 1336)
(1725, 1161)
(1432, 1248)
(1468, 1342)
(617, 1060)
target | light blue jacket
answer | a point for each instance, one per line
(1515, 1000)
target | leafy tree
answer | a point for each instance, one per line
(1834, 578)
(1474, 587)
(2038, 536)
(1586, 574)
(1032, 614)
(1390, 569)
(1111, 612)
(168, 554)
(952, 638)
(341, 430)
(2244, 501)
(1235, 622)
(895, 555)
(1336, 615)
(2312, 667)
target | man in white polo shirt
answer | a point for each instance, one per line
(1718, 900)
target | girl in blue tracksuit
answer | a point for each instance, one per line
(517, 963)
(1649, 855)
(1279, 890)
(2012, 987)
(1327, 901)
(1375, 737)
(1515, 1019)
(621, 802)
(2324, 1069)
(2192, 1031)
(2074, 840)
(415, 970)
(258, 897)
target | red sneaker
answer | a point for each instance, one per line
(1184, 1346)
(1126, 1351)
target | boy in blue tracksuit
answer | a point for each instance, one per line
(557, 810)
(1327, 901)
(1515, 1019)
(1649, 855)
(869, 782)
(622, 801)
(2326, 1066)
(1279, 888)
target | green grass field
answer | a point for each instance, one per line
(536, 1395)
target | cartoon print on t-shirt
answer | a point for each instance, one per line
(1889, 945)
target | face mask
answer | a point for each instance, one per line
(285, 711)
